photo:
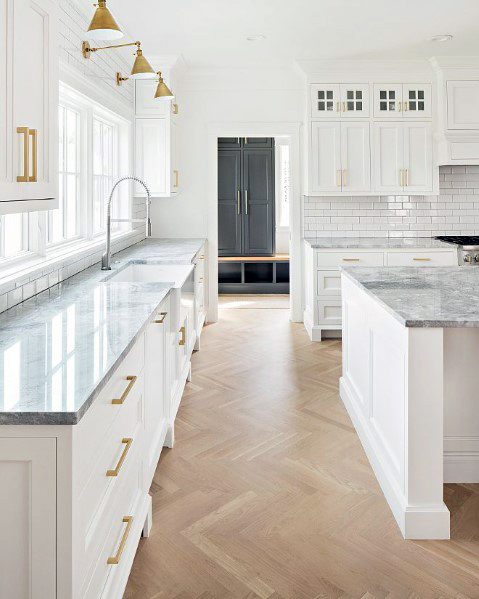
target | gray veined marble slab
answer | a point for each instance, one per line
(440, 296)
(59, 348)
(327, 243)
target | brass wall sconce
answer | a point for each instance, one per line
(141, 67)
(163, 91)
(103, 26)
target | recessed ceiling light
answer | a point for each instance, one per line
(256, 38)
(441, 38)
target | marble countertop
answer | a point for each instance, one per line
(440, 296)
(382, 243)
(59, 348)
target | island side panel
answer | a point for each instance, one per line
(379, 382)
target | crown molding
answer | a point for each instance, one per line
(361, 70)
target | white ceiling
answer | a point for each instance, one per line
(212, 33)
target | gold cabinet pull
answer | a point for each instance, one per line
(405, 106)
(338, 106)
(174, 108)
(161, 320)
(124, 395)
(338, 178)
(350, 259)
(112, 561)
(126, 441)
(238, 201)
(343, 178)
(182, 341)
(406, 177)
(33, 134)
(422, 259)
(177, 178)
(26, 155)
(344, 107)
(401, 184)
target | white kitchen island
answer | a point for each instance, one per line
(411, 384)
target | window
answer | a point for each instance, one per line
(14, 238)
(103, 170)
(63, 224)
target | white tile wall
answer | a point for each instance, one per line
(455, 211)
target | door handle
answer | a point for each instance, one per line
(238, 201)
(26, 154)
(338, 178)
(33, 134)
(246, 201)
(401, 184)
(406, 174)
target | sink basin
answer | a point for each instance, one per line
(153, 273)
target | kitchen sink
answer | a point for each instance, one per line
(153, 273)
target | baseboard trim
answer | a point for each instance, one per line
(415, 522)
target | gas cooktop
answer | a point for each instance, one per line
(460, 239)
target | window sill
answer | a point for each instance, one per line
(34, 267)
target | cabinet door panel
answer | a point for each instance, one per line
(258, 186)
(355, 157)
(387, 100)
(388, 153)
(418, 156)
(229, 142)
(28, 518)
(229, 203)
(354, 100)
(325, 101)
(417, 100)
(151, 159)
(462, 103)
(325, 159)
(174, 168)
(258, 142)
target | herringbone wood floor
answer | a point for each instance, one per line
(267, 492)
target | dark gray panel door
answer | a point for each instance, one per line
(229, 203)
(229, 142)
(258, 142)
(258, 203)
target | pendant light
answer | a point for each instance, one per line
(163, 91)
(103, 26)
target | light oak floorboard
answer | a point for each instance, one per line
(267, 492)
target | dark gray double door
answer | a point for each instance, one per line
(246, 218)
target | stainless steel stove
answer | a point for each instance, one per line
(467, 248)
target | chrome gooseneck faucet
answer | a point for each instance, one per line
(106, 258)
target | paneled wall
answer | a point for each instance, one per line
(455, 211)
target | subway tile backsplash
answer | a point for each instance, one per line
(455, 211)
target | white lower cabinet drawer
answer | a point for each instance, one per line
(421, 258)
(329, 283)
(329, 312)
(345, 258)
(117, 538)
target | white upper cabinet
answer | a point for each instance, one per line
(339, 101)
(29, 101)
(462, 103)
(325, 157)
(354, 100)
(396, 100)
(340, 157)
(156, 141)
(355, 157)
(402, 157)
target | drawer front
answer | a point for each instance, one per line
(329, 283)
(330, 312)
(422, 259)
(92, 430)
(123, 445)
(117, 533)
(345, 258)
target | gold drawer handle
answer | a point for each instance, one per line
(200, 279)
(177, 177)
(125, 393)
(26, 155)
(182, 341)
(202, 257)
(350, 259)
(162, 319)
(174, 108)
(33, 134)
(126, 441)
(422, 259)
(112, 561)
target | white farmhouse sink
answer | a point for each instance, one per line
(153, 273)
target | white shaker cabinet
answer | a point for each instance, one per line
(402, 157)
(29, 102)
(462, 103)
(27, 517)
(156, 141)
(340, 157)
(345, 100)
(397, 100)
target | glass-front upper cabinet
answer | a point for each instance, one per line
(396, 100)
(339, 100)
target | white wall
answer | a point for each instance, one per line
(216, 96)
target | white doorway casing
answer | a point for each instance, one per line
(255, 129)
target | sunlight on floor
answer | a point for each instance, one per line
(254, 302)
